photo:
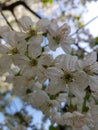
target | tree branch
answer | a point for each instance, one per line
(11, 7)
(6, 20)
(83, 26)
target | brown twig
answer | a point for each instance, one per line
(80, 28)
(16, 19)
(11, 7)
(6, 20)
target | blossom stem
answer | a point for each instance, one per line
(86, 97)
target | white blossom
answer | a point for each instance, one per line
(90, 67)
(15, 43)
(58, 36)
(65, 74)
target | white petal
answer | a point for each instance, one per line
(42, 25)
(53, 45)
(53, 73)
(25, 23)
(46, 59)
(64, 30)
(66, 62)
(93, 83)
(4, 30)
(38, 98)
(52, 28)
(34, 48)
(94, 68)
(90, 59)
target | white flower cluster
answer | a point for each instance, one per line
(64, 88)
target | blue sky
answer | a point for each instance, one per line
(92, 12)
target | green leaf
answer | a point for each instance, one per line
(28, 38)
(81, 24)
(71, 108)
(77, 18)
(47, 1)
(50, 1)
(52, 127)
(96, 41)
(85, 109)
(96, 101)
(86, 97)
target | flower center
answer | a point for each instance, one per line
(67, 77)
(33, 62)
(14, 51)
(57, 39)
